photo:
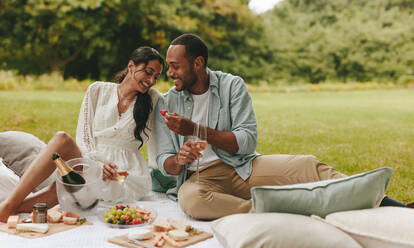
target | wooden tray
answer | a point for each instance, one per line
(53, 228)
(123, 241)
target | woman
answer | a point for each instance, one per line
(114, 122)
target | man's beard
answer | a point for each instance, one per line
(190, 81)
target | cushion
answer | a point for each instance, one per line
(278, 230)
(360, 191)
(382, 227)
(18, 150)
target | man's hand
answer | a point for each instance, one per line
(179, 124)
(187, 154)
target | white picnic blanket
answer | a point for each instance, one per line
(97, 235)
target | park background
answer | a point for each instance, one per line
(333, 78)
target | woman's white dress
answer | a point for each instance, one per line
(106, 136)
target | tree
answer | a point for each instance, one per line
(94, 38)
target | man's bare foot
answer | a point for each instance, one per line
(6, 210)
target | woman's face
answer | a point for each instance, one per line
(144, 77)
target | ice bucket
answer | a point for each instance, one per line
(82, 199)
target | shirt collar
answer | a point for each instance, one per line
(213, 85)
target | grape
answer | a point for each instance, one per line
(123, 215)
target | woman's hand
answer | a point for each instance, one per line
(110, 171)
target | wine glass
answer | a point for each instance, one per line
(200, 143)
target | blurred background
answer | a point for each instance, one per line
(281, 42)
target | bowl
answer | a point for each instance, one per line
(101, 217)
(82, 199)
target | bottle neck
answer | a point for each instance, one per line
(63, 168)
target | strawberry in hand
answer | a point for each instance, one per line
(163, 112)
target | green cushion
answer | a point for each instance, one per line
(161, 183)
(360, 191)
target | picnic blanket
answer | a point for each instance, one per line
(97, 235)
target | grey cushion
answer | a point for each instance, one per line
(384, 227)
(278, 230)
(359, 191)
(19, 149)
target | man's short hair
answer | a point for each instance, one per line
(194, 46)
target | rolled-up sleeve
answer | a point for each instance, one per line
(243, 119)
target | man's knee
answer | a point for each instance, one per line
(193, 199)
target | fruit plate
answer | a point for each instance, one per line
(152, 216)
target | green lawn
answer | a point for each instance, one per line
(354, 131)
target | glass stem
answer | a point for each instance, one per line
(198, 172)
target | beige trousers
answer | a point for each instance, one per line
(222, 192)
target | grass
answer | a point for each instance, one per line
(353, 131)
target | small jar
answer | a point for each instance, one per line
(39, 213)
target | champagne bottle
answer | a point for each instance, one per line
(68, 175)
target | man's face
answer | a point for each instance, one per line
(180, 68)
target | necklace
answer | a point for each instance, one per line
(123, 102)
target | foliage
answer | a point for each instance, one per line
(342, 40)
(10, 80)
(353, 131)
(93, 39)
(299, 41)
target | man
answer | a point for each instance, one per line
(229, 166)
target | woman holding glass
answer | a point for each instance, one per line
(115, 120)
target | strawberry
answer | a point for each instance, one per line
(163, 112)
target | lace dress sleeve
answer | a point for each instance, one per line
(84, 131)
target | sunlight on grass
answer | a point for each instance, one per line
(353, 131)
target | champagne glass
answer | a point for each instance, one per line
(200, 140)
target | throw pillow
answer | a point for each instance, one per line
(18, 150)
(359, 191)
(384, 227)
(278, 230)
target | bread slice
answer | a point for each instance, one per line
(70, 220)
(12, 221)
(54, 215)
(161, 225)
(182, 225)
(178, 235)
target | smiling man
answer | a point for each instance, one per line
(218, 103)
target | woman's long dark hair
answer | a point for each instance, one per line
(143, 104)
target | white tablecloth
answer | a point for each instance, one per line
(97, 235)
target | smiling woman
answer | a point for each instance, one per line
(103, 135)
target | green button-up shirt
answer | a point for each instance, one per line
(230, 109)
